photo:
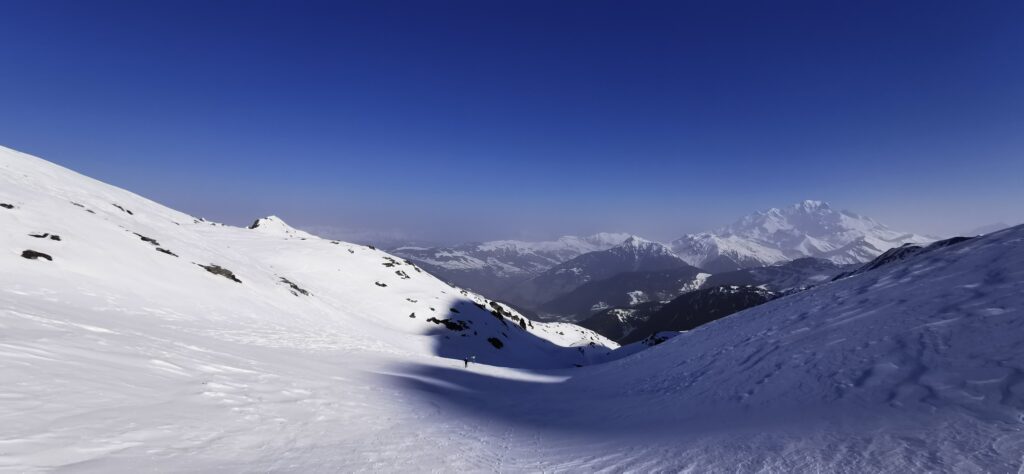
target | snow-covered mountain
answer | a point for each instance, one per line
(633, 255)
(806, 229)
(493, 267)
(74, 244)
(135, 338)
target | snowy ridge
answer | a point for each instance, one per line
(639, 248)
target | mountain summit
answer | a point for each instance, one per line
(639, 248)
(273, 225)
(805, 229)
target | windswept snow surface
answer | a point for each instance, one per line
(117, 357)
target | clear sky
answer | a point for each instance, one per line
(490, 119)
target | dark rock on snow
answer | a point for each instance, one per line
(218, 270)
(33, 255)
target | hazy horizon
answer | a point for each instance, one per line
(465, 121)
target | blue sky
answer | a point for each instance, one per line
(477, 120)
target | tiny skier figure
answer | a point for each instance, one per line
(469, 359)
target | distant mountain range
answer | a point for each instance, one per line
(562, 279)
(493, 267)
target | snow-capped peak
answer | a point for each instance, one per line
(809, 228)
(810, 205)
(634, 240)
(274, 225)
(641, 246)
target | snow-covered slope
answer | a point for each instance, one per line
(114, 308)
(806, 229)
(986, 229)
(900, 253)
(493, 267)
(100, 242)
